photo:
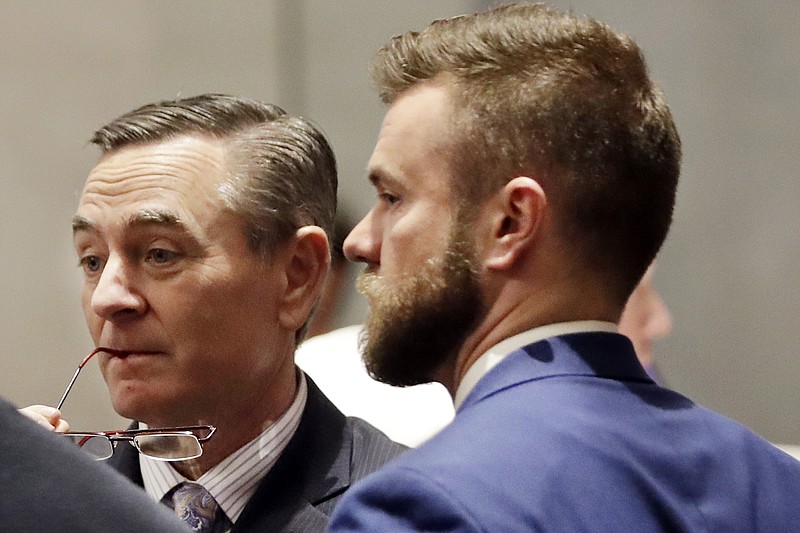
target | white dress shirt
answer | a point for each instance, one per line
(233, 481)
(501, 350)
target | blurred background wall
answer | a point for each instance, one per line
(730, 270)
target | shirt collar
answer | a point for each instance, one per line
(500, 351)
(234, 480)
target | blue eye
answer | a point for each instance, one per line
(91, 264)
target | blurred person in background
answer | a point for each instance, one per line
(645, 320)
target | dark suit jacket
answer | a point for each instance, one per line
(49, 485)
(325, 456)
(570, 434)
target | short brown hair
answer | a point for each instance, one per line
(566, 98)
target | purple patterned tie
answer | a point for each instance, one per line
(195, 506)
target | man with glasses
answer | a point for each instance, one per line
(49, 486)
(203, 236)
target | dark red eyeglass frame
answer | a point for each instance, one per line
(97, 350)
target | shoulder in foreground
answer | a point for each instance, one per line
(50, 485)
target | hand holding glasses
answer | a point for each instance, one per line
(177, 443)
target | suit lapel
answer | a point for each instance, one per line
(298, 492)
(126, 460)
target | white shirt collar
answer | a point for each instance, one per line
(500, 351)
(234, 480)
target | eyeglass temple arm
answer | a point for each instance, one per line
(78, 371)
(129, 434)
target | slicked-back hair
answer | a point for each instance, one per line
(565, 98)
(282, 171)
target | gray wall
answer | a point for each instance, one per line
(730, 270)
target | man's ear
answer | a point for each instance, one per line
(518, 211)
(306, 264)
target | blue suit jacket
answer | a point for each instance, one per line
(570, 434)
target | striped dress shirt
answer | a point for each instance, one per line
(233, 481)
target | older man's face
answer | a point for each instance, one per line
(169, 279)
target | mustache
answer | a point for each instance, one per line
(370, 283)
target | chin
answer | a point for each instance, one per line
(138, 405)
(129, 408)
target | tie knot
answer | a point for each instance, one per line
(195, 506)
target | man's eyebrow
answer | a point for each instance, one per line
(379, 177)
(159, 217)
(145, 217)
(81, 223)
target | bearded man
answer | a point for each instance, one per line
(526, 172)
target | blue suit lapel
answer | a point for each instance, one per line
(606, 355)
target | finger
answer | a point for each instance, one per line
(50, 413)
(45, 416)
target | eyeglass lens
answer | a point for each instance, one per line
(159, 446)
(168, 447)
(99, 447)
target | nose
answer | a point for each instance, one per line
(114, 297)
(362, 245)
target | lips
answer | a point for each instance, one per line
(123, 353)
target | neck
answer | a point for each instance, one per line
(516, 308)
(239, 424)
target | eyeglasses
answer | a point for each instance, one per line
(178, 443)
(163, 444)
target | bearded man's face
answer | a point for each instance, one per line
(418, 324)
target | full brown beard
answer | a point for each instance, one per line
(417, 325)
